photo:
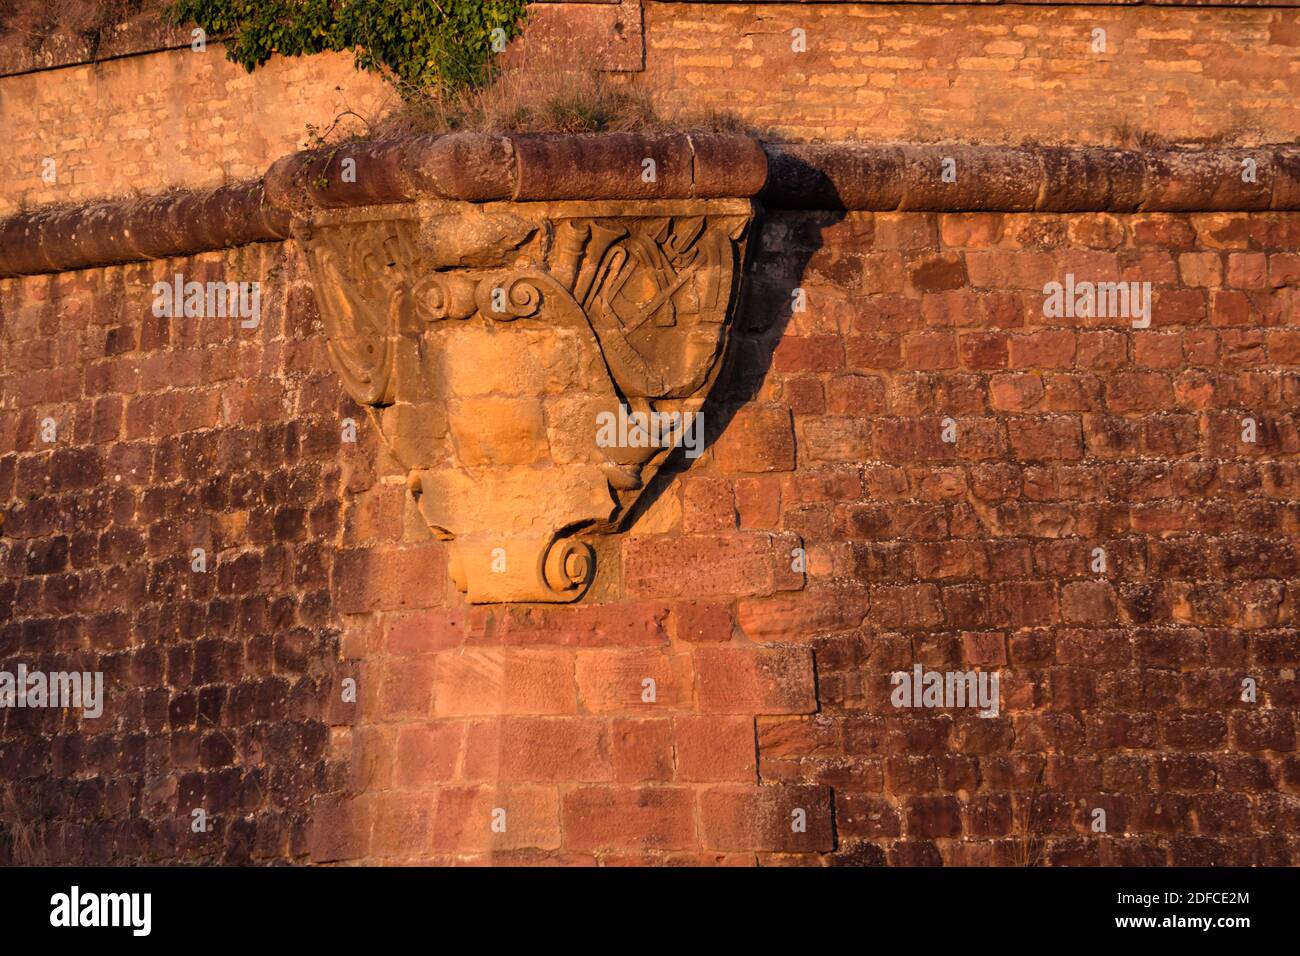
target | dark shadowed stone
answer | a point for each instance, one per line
(838, 176)
(797, 175)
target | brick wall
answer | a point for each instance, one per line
(176, 118)
(169, 435)
(1010, 73)
(1121, 690)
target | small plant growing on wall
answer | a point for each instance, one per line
(421, 45)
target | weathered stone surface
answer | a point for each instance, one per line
(771, 685)
(1027, 179)
(503, 344)
(112, 232)
(728, 675)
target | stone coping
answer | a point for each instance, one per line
(116, 231)
(483, 167)
(1030, 178)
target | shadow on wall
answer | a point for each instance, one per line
(779, 252)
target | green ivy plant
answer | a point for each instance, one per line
(422, 45)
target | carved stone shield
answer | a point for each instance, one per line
(530, 364)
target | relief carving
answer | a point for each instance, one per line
(494, 344)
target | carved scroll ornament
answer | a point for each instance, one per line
(496, 343)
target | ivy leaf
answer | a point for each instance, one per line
(440, 44)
